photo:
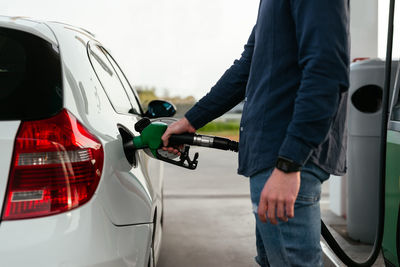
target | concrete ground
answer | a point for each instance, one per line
(356, 250)
(208, 219)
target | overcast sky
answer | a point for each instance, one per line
(180, 45)
(183, 46)
(383, 25)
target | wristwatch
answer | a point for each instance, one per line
(287, 165)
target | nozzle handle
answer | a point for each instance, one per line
(225, 144)
(204, 141)
(181, 139)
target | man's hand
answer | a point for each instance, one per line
(178, 127)
(278, 196)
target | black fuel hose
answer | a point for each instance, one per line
(333, 244)
(204, 141)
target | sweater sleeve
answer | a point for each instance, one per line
(227, 93)
(323, 55)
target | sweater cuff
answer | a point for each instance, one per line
(295, 149)
(196, 117)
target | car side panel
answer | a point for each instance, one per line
(128, 194)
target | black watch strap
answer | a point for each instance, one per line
(287, 165)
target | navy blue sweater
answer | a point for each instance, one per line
(293, 76)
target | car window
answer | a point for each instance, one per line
(30, 76)
(109, 80)
(125, 83)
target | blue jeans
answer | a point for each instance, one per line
(296, 242)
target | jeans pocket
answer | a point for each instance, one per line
(310, 185)
(308, 198)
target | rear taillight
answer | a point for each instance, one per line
(56, 167)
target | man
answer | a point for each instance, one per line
(293, 76)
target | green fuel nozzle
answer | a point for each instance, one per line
(150, 140)
(150, 137)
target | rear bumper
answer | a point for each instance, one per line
(81, 237)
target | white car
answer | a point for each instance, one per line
(72, 196)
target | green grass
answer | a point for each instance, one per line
(218, 128)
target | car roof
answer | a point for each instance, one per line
(35, 27)
(43, 29)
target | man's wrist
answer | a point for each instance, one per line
(188, 125)
(287, 165)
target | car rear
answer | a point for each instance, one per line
(51, 166)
